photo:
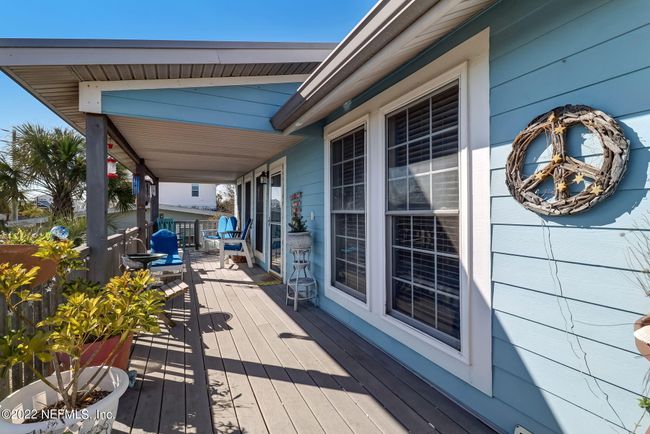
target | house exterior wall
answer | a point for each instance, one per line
(180, 194)
(239, 106)
(564, 291)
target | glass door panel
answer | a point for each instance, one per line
(275, 222)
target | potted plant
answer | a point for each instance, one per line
(298, 236)
(640, 258)
(20, 247)
(87, 332)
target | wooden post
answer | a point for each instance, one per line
(155, 201)
(197, 232)
(96, 196)
(141, 203)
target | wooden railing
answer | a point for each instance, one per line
(189, 231)
(20, 375)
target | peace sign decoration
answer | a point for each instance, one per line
(597, 183)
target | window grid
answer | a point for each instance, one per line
(414, 274)
(347, 215)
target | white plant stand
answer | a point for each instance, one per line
(301, 285)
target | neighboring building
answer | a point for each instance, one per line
(200, 196)
(395, 149)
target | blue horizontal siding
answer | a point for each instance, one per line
(564, 289)
(241, 106)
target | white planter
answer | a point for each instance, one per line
(95, 419)
(299, 240)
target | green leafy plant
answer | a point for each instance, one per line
(644, 403)
(91, 313)
(297, 224)
(23, 237)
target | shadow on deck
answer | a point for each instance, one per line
(240, 361)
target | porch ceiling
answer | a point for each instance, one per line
(52, 69)
(183, 152)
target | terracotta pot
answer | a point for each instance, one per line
(23, 254)
(104, 349)
(642, 345)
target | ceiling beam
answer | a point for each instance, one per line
(121, 141)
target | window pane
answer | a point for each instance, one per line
(348, 225)
(359, 197)
(420, 192)
(445, 190)
(397, 194)
(419, 157)
(397, 129)
(424, 305)
(348, 147)
(348, 172)
(448, 275)
(348, 197)
(418, 120)
(422, 172)
(402, 263)
(397, 161)
(448, 315)
(424, 269)
(402, 231)
(447, 235)
(337, 151)
(402, 297)
(337, 175)
(424, 233)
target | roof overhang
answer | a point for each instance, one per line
(54, 70)
(392, 33)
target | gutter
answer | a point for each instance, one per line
(376, 30)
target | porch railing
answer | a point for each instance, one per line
(20, 375)
(189, 231)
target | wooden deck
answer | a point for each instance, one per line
(240, 361)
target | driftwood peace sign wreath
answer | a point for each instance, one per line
(597, 183)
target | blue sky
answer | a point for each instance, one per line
(227, 20)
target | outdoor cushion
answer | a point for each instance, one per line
(169, 260)
(164, 241)
(212, 237)
(235, 247)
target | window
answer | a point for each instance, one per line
(195, 190)
(422, 214)
(259, 215)
(348, 219)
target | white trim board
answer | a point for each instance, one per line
(473, 363)
(90, 92)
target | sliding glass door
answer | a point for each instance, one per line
(276, 208)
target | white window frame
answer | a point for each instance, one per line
(248, 177)
(341, 297)
(473, 363)
(281, 164)
(240, 199)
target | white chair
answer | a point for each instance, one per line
(234, 243)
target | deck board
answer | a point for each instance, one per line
(239, 360)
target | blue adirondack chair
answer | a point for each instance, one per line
(234, 243)
(225, 225)
(166, 241)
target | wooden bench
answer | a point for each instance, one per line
(171, 290)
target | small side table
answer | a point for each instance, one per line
(301, 285)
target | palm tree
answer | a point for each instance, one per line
(55, 163)
(12, 179)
